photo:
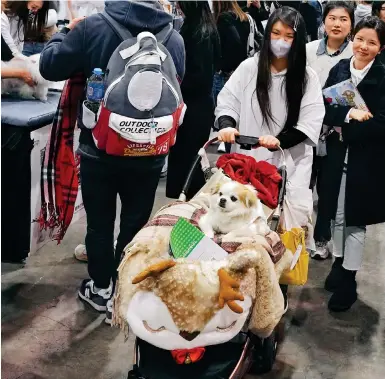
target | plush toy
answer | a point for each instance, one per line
(183, 305)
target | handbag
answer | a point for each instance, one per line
(294, 240)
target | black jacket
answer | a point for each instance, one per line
(234, 35)
(365, 182)
(91, 43)
(202, 56)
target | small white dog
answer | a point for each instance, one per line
(19, 87)
(234, 207)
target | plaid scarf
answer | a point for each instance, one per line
(59, 173)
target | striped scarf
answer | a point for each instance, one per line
(59, 173)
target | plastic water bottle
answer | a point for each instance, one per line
(95, 86)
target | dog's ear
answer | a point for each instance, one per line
(248, 197)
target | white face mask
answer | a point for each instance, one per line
(279, 47)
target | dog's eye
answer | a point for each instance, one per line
(220, 193)
(233, 198)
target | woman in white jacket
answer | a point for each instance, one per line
(275, 97)
(18, 16)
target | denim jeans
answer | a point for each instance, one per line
(101, 182)
(32, 48)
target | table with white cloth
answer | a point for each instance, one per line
(25, 129)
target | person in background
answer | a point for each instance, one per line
(275, 96)
(87, 44)
(34, 38)
(311, 11)
(16, 172)
(84, 8)
(202, 53)
(363, 9)
(256, 9)
(378, 10)
(353, 193)
(17, 19)
(234, 28)
(322, 55)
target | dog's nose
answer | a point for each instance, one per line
(222, 202)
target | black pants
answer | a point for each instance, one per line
(101, 182)
(15, 193)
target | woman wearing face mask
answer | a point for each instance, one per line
(322, 55)
(353, 194)
(275, 97)
(19, 17)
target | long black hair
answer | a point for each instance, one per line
(20, 9)
(198, 14)
(295, 78)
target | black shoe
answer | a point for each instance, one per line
(346, 294)
(334, 278)
(97, 299)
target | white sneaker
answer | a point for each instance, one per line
(81, 253)
(322, 251)
(222, 148)
(109, 310)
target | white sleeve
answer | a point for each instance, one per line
(6, 34)
(312, 109)
(229, 99)
(52, 18)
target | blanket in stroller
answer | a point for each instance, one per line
(178, 304)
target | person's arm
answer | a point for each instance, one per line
(229, 99)
(6, 34)
(8, 72)
(335, 115)
(370, 131)
(312, 112)
(63, 55)
(175, 46)
(290, 138)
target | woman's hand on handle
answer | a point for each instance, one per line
(269, 142)
(228, 135)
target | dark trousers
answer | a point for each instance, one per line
(101, 182)
(15, 193)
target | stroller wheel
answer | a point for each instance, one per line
(264, 354)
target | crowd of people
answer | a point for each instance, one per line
(268, 85)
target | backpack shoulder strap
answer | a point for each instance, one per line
(122, 32)
(251, 39)
(164, 35)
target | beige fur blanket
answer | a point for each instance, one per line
(151, 245)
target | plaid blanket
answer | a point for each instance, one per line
(167, 217)
(59, 174)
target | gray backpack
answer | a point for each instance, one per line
(142, 106)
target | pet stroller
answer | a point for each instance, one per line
(246, 352)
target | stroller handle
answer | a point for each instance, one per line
(245, 142)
